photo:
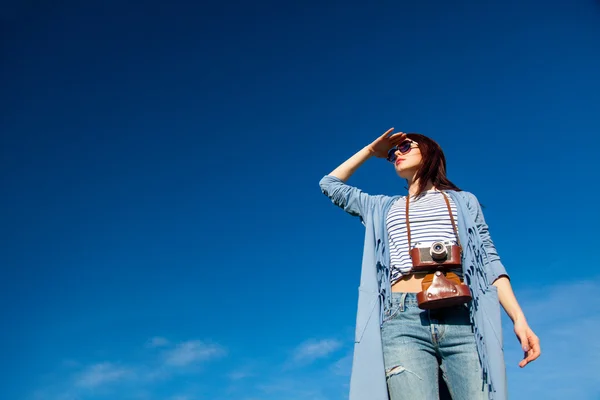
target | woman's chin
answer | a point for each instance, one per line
(404, 173)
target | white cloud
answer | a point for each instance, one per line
(312, 350)
(343, 366)
(173, 364)
(157, 341)
(238, 375)
(69, 363)
(101, 374)
(192, 352)
(565, 317)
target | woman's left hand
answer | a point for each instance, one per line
(529, 342)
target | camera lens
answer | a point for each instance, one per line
(438, 251)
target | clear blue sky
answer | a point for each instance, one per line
(163, 233)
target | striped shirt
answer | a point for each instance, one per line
(429, 222)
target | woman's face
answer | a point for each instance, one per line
(406, 158)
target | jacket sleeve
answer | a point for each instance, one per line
(495, 269)
(351, 199)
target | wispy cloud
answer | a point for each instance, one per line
(101, 374)
(312, 350)
(149, 369)
(564, 324)
(192, 352)
(70, 363)
(158, 341)
(343, 366)
(239, 375)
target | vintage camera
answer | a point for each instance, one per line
(441, 287)
(435, 256)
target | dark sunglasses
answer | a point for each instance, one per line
(403, 148)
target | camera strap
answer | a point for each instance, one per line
(449, 211)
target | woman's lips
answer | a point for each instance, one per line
(399, 160)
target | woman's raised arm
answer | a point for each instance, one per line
(353, 200)
(379, 148)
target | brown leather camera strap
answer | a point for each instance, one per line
(449, 211)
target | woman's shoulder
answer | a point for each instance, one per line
(467, 195)
(469, 198)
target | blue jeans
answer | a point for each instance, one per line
(417, 344)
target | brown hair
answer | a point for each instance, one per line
(433, 165)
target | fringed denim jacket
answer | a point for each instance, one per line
(481, 267)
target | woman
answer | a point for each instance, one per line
(400, 345)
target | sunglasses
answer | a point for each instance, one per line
(404, 148)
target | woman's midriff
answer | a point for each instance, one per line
(409, 283)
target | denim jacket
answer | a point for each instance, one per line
(481, 267)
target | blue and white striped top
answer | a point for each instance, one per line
(429, 222)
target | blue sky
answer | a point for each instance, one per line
(164, 236)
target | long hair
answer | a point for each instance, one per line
(433, 166)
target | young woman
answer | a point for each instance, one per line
(401, 345)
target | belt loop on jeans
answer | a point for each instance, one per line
(402, 301)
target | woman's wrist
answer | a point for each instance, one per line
(508, 300)
(518, 317)
(369, 150)
(514, 312)
(348, 167)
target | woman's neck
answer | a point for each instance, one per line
(413, 186)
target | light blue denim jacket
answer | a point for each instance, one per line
(481, 267)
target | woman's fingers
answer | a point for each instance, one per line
(534, 347)
(528, 357)
(387, 141)
(387, 133)
(531, 346)
(398, 137)
(523, 362)
(394, 137)
(522, 336)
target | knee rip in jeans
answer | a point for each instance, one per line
(398, 369)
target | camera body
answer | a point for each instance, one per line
(435, 256)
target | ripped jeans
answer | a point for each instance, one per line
(417, 344)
